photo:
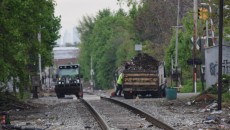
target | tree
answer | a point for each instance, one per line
(107, 40)
(154, 23)
(184, 47)
(20, 23)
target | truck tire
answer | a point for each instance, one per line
(163, 93)
(154, 94)
(59, 95)
(128, 95)
(77, 95)
(159, 93)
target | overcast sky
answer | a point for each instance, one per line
(72, 11)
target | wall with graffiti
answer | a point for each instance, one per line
(211, 63)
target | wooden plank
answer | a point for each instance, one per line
(141, 79)
(140, 83)
(140, 75)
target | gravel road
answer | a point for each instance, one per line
(61, 114)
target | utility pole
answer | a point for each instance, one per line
(91, 74)
(221, 6)
(177, 23)
(194, 44)
(39, 58)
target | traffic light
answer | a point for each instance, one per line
(203, 13)
(200, 13)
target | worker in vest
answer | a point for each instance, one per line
(119, 85)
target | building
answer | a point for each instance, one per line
(211, 63)
(65, 55)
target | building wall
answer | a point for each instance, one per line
(65, 55)
(58, 62)
(211, 63)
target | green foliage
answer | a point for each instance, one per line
(226, 83)
(108, 42)
(184, 47)
(188, 86)
(109, 39)
(20, 23)
(227, 33)
(226, 97)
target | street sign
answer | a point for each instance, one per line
(196, 61)
(35, 80)
(138, 47)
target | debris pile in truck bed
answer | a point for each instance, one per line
(142, 61)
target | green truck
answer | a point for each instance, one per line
(69, 81)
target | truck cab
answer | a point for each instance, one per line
(69, 81)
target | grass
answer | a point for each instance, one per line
(23, 96)
(187, 87)
(226, 97)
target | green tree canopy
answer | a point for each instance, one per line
(107, 40)
(20, 23)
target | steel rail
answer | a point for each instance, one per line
(97, 116)
(143, 114)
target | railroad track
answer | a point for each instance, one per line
(111, 114)
(87, 117)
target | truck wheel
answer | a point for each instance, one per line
(59, 95)
(128, 95)
(154, 94)
(163, 93)
(159, 93)
(81, 94)
(77, 95)
(143, 94)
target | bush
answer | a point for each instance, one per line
(226, 97)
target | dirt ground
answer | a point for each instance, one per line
(187, 111)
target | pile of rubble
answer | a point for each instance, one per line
(142, 61)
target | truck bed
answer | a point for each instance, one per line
(140, 79)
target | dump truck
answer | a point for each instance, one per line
(69, 81)
(145, 76)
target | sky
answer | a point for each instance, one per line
(72, 11)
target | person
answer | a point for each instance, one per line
(119, 85)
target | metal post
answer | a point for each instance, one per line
(202, 77)
(212, 26)
(207, 36)
(194, 44)
(220, 54)
(211, 23)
